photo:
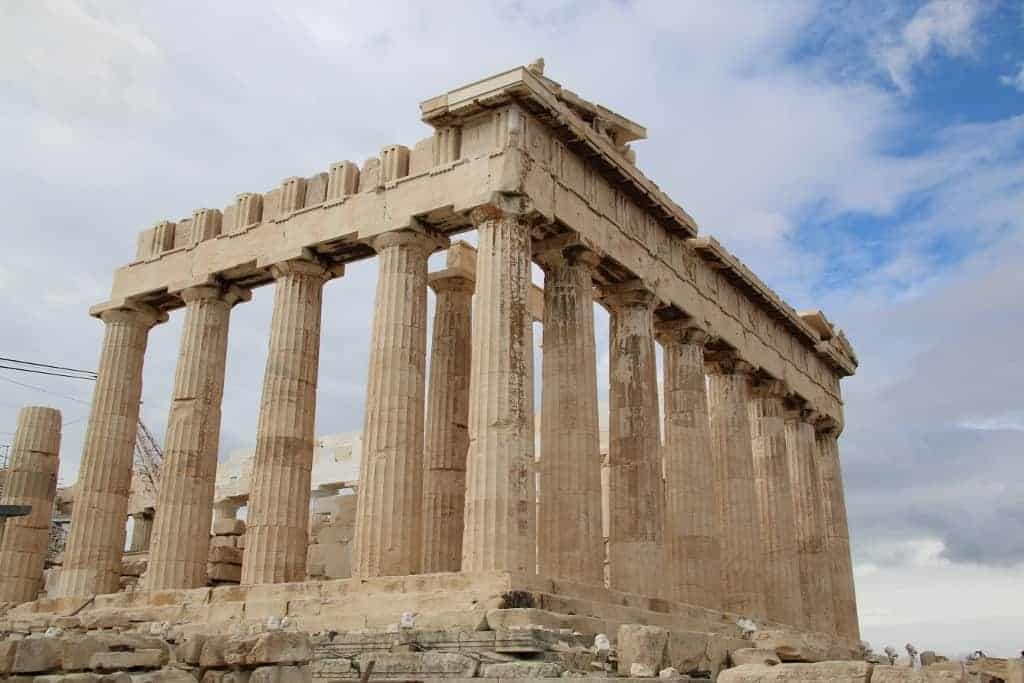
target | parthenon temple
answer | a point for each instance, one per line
(717, 501)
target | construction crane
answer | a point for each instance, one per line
(148, 458)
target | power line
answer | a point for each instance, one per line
(45, 372)
(45, 391)
(46, 365)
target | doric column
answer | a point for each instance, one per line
(636, 550)
(837, 533)
(31, 480)
(142, 530)
(447, 433)
(184, 504)
(277, 527)
(92, 558)
(809, 520)
(389, 523)
(500, 517)
(692, 546)
(735, 493)
(775, 503)
(570, 542)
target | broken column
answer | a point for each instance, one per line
(837, 532)
(447, 436)
(142, 528)
(734, 491)
(771, 475)
(32, 481)
(184, 502)
(500, 518)
(809, 519)
(692, 546)
(569, 526)
(389, 525)
(92, 558)
(278, 518)
(637, 495)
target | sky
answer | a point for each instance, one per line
(866, 159)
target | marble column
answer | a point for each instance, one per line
(142, 531)
(570, 542)
(184, 504)
(277, 528)
(389, 522)
(735, 493)
(693, 550)
(500, 515)
(92, 557)
(636, 533)
(32, 481)
(447, 433)
(809, 520)
(837, 534)
(775, 503)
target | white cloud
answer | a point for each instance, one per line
(939, 26)
(1015, 81)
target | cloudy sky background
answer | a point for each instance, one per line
(863, 159)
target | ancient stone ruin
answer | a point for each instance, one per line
(472, 556)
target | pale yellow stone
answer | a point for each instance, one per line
(500, 518)
(735, 493)
(693, 553)
(837, 536)
(636, 550)
(278, 519)
(783, 601)
(92, 557)
(389, 524)
(184, 505)
(570, 543)
(809, 520)
(446, 442)
(31, 479)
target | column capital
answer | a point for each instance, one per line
(769, 387)
(680, 331)
(828, 426)
(231, 294)
(312, 267)
(797, 409)
(136, 313)
(446, 281)
(629, 294)
(562, 253)
(727, 362)
(507, 208)
(425, 241)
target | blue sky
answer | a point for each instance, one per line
(863, 158)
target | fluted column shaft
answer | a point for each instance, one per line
(277, 527)
(636, 491)
(31, 480)
(837, 536)
(500, 516)
(142, 533)
(181, 541)
(447, 432)
(389, 524)
(570, 542)
(692, 546)
(775, 503)
(809, 520)
(734, 491)
(92, 558)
